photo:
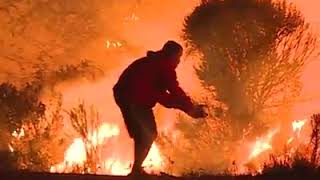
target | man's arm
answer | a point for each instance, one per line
(170, 101)
(175, 97)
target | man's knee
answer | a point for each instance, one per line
(151, 135)
(154, 135)
(146, 138)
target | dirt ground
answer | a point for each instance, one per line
(49, 176)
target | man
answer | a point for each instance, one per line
(147, 81)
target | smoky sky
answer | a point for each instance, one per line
(51, 33)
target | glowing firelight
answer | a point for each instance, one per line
(153, 162)
(10, 148)
(113, 44)
(290, 140)
(262, 144)
(104, 131)
(265, 143)
(297, 126)
(18, 135)
(76, 155)
(116, 167)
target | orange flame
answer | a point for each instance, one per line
(11, 148)
(76, 155)
(297, 126)
(18, 133)
(113, 44)
(262, 144)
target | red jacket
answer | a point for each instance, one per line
(151, 80)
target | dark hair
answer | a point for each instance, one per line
(171, 48)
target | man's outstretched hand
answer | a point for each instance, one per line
(198, 111)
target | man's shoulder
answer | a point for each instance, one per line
(141, 60)
(152, 63)
(135, 64)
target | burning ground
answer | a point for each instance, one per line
(63, 58)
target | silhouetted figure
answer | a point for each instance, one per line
(147, 81)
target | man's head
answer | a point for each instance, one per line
(172, 51)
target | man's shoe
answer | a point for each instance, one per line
(139, 172)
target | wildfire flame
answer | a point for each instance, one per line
(76, 155)
(113, 44)
(10, 148)
(297, 126)
(262, 144)
(18, 133)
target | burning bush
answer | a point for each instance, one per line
(85, 125)
(298, 165)
(37, 144)
(30, 127)
(253, 57)
(15, 105)
(198, 140)
(302, 160)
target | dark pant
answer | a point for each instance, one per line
(139, 120)
(141, 126)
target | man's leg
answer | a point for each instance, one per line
(144, 136)
(141, 150)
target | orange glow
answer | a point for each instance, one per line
(262, 144)
(76, 155)
(11, 148)
(116, 167)
(153, 162)
(18, 135)
(132, 17)
(258, 152)
(148, 31)
(119, 160)
(104, 131)
(113, 44)
(117, 149)
(297, 126)
(290, 140)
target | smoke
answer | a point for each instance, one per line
(309, 102)
(58, 32)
